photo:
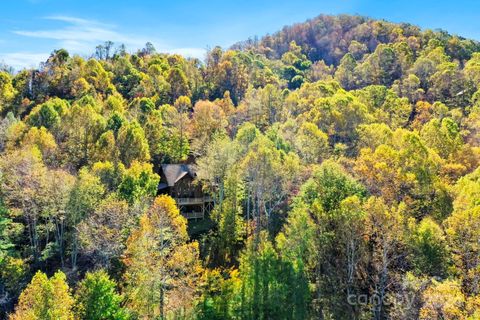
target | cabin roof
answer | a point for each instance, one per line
(175, 172)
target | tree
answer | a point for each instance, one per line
(324, 235)
(110, 174)
(443, 300)
(296, 63)
(82, 128)
(321, 71)
(132, 144)
(106, 147)
(448, 85)
(409, 87)
(385, 106)
(213, 168)
(43, 140)
(262, 106)
(24, 186)
(138, 183)
(6, 244)
(48, 114)
(329, 186)
(426, 65)
(142, 108)
(218, 295)
(380, 67)
(357, 49)
(178, 82)
(467, 191)
(127, 78)
(59, 186)
(428, 246)
(181, 119)
(405, 170)
(228, 216)
(270, 174)
(311, 143)
(84, 198)
(338, 116)
(271, 287)
(7, 91)
(45, 299)
(161, 265)
(226, 71)
(345, 72)
(166, 132)
(103, 51)
(472, 69)
(44, 116)
(14, 269)
(412, 287)
(208, 120)
(102, 234)
(463, 238)
(384, 228)
(443, 136)
(373, 135)
(13, 280)
(96, 298)
(5, 126)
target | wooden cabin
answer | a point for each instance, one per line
(178, 181)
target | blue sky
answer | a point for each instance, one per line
(31, 29)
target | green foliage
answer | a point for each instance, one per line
(161, 266)
(429, 248)
(83, 125)
(341, 154)
(166, 132)
(115, 122)
(48, 115)
(96, 298)
(179, 83)
(329, 186)
(271, 286)
(110, 174)
(45, 299)
(228, 216)
(132, 144)
(85, 195)
(312, 143)
(104, 232)
(324, 232)
(6, 244)
(7, 91)
(138, 182)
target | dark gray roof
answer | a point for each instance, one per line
(162, 185)
(174, 172)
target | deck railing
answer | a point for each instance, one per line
(193, 215)
(193, 201)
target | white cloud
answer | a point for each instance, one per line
(74, 20)
(81, 36)
(20, 60)
(190, 52)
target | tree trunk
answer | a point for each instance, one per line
(162, 302)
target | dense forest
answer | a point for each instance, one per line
(342, 155)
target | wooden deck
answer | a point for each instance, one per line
(193, 201)
(193, 215)
(189, 207)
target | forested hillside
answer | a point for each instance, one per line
(342, 155)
